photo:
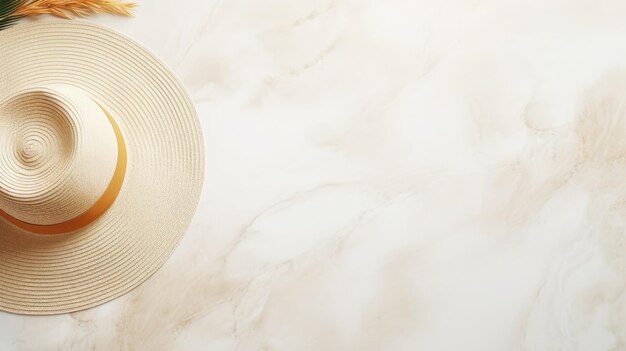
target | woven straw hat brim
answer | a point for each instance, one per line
(50, 274)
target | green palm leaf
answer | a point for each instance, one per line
(7, 8)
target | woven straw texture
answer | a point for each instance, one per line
(50, 274)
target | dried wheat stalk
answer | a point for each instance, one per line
(74, 8)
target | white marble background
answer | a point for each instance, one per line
(386, 175)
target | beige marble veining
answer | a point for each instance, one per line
(386, 175)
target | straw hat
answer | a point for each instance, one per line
(101, 166)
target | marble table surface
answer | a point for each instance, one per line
(386, 175)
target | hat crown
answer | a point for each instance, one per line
(58, 154)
